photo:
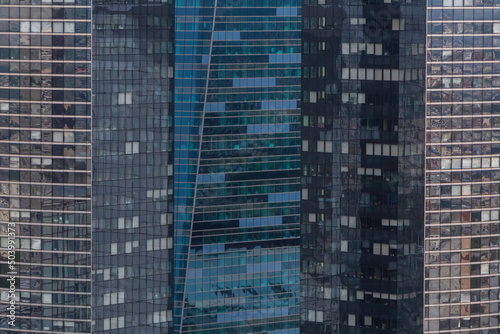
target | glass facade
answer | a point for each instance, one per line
(463, 160)
(236, 197)
(362, 166)
(45, 163)
(291, 197)
(132, 167)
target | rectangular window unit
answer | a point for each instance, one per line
(369, 171)
(305, 194)
(156, 244)
(313, 97)
(348, 221)
(113, 298)
(354, 48)
(358, 20)
(382, 149)
(132, 147)
(351, 320)
(316, 316)
(156, 194)
(324, 146)
(129, 245)
(344, 246)
(125, 98)
(121, 272)
(124, 222)
(47, 298)
(398, 24)
(305, 145)
(354, 98)
(391, 222)
(380, 74)
(372, 74)
(161, 316)
(345, 147)
(470, 163)
(166, 218)
(314, 72)
(106, 274)
(113, 323)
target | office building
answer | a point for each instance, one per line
(362, 166)
(257, 166)
(132, 167)
(462, 176)
(45, 155)
(236, 167)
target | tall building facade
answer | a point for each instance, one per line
(45, 156)
(257, 166)
(132, 167)
(462, 177)
(362, 166)
(237, 190)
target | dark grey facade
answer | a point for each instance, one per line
(362, 166)
(463, 160)
(45, 175)
(132, 167)
(301, 133)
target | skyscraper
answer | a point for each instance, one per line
(45, 154)
(463, 177)
(362, 166)
(132, 167)
(236, 192)
(257, 166)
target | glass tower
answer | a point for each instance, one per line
(362, 166)
(463, 160)
(45, 164)
(236, 167)
(291, 197)
(132, 167)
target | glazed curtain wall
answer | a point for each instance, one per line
(237, 138)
